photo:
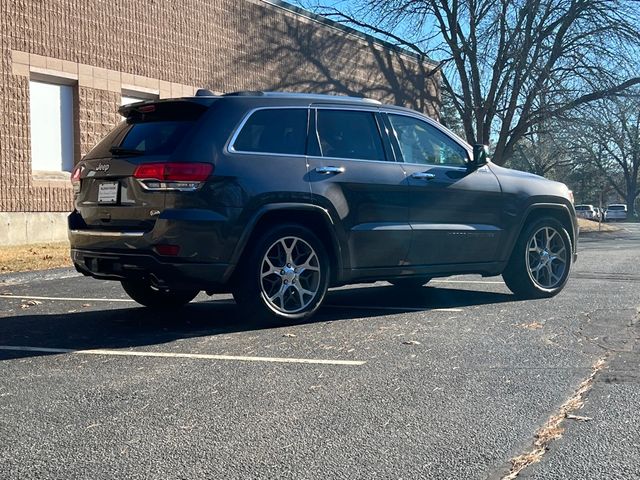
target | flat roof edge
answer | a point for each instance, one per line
(344, 28)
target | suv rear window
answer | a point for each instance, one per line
(157, 130)
(155, 138)
(617, 207)
(275, 130)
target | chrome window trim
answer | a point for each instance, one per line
(342, 159)
(229, 147)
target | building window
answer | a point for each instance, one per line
(51, 109)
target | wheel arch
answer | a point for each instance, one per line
(313, 217)
(559, 212)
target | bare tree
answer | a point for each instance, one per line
(540, 155)
(607, 135)
(509, 65)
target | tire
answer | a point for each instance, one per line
(409, 282)
(541, 260)
(284, 276)
(142, 292)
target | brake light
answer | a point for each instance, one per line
(178, 172)
(173, 175)
(75, 178)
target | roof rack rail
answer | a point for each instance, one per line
(244, 93)
(300, 95)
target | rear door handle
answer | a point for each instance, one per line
(329, 170)
(423, 176)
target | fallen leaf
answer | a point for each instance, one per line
(579, 418)
(531, 326)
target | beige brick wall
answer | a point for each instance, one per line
(171, 47)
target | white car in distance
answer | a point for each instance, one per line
(615, 212)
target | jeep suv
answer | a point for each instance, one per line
(276, 197)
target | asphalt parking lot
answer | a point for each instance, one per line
(452, 381)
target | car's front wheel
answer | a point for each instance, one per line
(143, 292)
(541, 260)
(284, 276)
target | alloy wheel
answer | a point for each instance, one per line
(546, 258)
(290, 276)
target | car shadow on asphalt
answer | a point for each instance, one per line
(138, 326)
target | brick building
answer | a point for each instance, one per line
(67, 65)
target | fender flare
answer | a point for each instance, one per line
(297, 207)
(573, 234)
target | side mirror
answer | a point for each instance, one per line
(480, 155)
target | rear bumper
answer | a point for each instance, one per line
(204, 241)
(124, 266)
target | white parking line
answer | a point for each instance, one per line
(395, 309)
(229, 302)
(69, 299)
(488, 282)
(196, 356)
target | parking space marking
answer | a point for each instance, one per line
(230, 302)
(195, 356)
(394, 309)
(68, 299)
(488, 282)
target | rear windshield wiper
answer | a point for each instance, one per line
(125, 151)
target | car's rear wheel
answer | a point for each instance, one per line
(143, 292)
(541, 260)
(409, 282)
(284, 276)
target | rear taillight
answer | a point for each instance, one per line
(173, 176)
(75, 178)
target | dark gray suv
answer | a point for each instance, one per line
(276, 197)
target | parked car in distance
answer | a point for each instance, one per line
(588, 211)
(616, 212)
(275, 197)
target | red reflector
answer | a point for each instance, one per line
(169, 250)
(174, 172)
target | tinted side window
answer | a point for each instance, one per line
(274, 131)
(349, 134)
(425, 144)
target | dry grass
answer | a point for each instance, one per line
(588, 226)
(23, 258)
